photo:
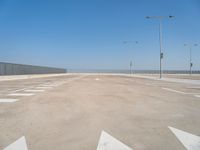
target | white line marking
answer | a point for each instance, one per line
(197, 95)
(194, 87)
(48, 85)
(19, 90)
(180, 92)
(150, 84)
(22, 89)
(107, 142)
(97, 79)
(44, 87)
(190, 141)
(8, 100)
(20, 144)
(21, 94)
(192, 93)
(34, 90)
(172, 90)
(6, 90)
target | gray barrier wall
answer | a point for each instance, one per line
(19, 69)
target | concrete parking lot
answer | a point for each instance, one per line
(179, 76)
(69, 112)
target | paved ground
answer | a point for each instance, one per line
(179, 76)
(69, 112)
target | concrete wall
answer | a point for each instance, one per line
(18, 69)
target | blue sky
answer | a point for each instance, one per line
(89, 34)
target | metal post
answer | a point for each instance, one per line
(160, 18)
(161, 53)
(131, 67)
(131, 63)
(190, 61)
(190, 56)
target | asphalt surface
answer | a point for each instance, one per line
(69, 112)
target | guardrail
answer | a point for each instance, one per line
(20, 69)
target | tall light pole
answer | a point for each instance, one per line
(190, 55)
(160, 18)
(131, 62)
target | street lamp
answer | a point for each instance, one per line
(190, 55)
(160, 18)
(131, 62)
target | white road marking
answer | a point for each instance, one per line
(97, 79)
(5, 100)
(194, 87)
(40, 87)
(107, 142)
(192, 93)
(180, 92)
(21, 94)
(48, 85)
(6, 90)
(20, 144)
(52, 84)
(197, 95)
(34, 90)
(178, 115)
(19, 90)
(190, 141)
(150, 84)
(172, 90)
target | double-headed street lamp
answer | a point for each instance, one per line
(131, 62)
(160, 18)
(190, 55)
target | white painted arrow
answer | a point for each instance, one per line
(190, 141)
(20, 144)
(107, 142)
